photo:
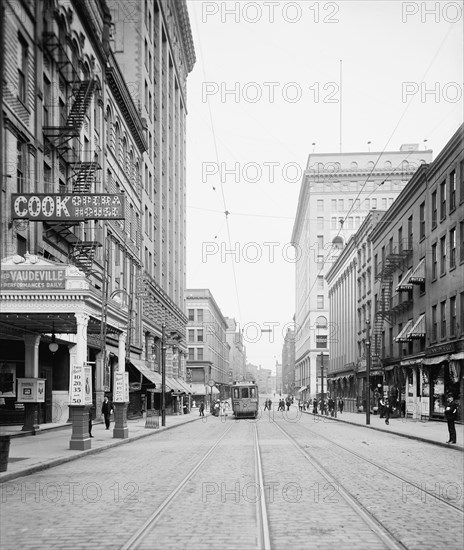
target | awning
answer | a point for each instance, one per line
(198, 389)
(405, 284)
(151, 375)
(435, 360)
(390, 367)
(418, 330)
(184, 384)
(174, 385)
(457, 356)
(412, 362)
(300, 390)
(403, 335)
(417, 277)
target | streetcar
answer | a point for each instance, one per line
(245, 400)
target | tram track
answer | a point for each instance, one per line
(140, 538)
(401, 478)
(383, 534)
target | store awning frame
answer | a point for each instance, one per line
(417, 277)
(403, 335)
(435, 360)
(418, 330)
(405, 284)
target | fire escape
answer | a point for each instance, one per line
(385, 308)
(64, 140)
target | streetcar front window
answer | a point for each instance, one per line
(252, 392)
(236, 393)
(244, 392)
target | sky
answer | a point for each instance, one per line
(275, 81)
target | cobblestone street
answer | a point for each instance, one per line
(107, 497)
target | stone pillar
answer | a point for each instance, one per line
(122, 351)
(417, 404)
(31, 370)
(79, 414)
(99, 393)
(80, 439)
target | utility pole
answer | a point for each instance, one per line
(368, 372)
(322, 384)
(163, 375)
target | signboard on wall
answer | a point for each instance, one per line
(121, 387)
(31, 390)
(53, 207)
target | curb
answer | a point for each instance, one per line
(408, 436)
(63, 460)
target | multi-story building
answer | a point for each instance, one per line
(350, 281)
(418, 251)
(337, 192)
(264, 380)
(153, 44)
(71, 211)
(208, 350)
(251, 372)
(237, 357)
(287, 369)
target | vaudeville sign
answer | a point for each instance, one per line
(62, 207)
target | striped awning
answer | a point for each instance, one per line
(417, 277)
(418, 330)
(403, 336)
(405, 283)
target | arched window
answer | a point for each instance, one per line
(337, 243)
(387, 165)
(124, 156)
(117, 141)
(354, 165)
(370, 165)
(131, 169)
(321, 322)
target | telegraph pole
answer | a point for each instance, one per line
(163, 375)
(368, 372)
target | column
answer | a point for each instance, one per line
(31, 370)
(79, 414)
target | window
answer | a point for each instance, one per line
(47, 102)
(320, 301)
(320, 241)
(334, 204)
(200, 354)
(320, 223)
(443, 255)
(443, 318)
(21, 245)
(321, 322)
(191, 352)
(452, 190)
(191, 335)
(434, 209)
(384, 204)
(434, 261)
(374, 204)
(367, 204)
(22, 70)
(453, 316)
(422, 221)
(340, 204)
(461, 242)
(200, 335)
(410, 233)
(452, 247)
(443, 200)
(320, 205)
(20, 166)
(200, 315)
(400, 239)
(191, 315)
(333, 223)
(320, 282)
(434, 324)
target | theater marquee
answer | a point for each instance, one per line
(55, 207)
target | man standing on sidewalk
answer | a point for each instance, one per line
(107, 407)
(451, 411)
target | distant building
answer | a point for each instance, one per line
(237, 357)
(337, 192)
(288, 363)
(264, 380)
(208, 350)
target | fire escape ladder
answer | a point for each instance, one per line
(83, 254)
(84, 176)
(82, 97)
(383, 311)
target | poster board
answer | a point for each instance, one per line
(31, 390)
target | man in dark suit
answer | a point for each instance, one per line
(107, 407)
(451, 413)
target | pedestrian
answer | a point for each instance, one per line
(451, 411)
(90, 422)
(331, 406)
(340, 405)
(288, 403)
(202, 409)
(314, 406)
(107, 409)
(387, 411)
(382, 406)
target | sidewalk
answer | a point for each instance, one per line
(429, 431)
(50, 446)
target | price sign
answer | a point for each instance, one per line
(87, 385)
(126, 387)
(77, 385)
(118, 387)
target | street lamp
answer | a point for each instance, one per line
(368, 372)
